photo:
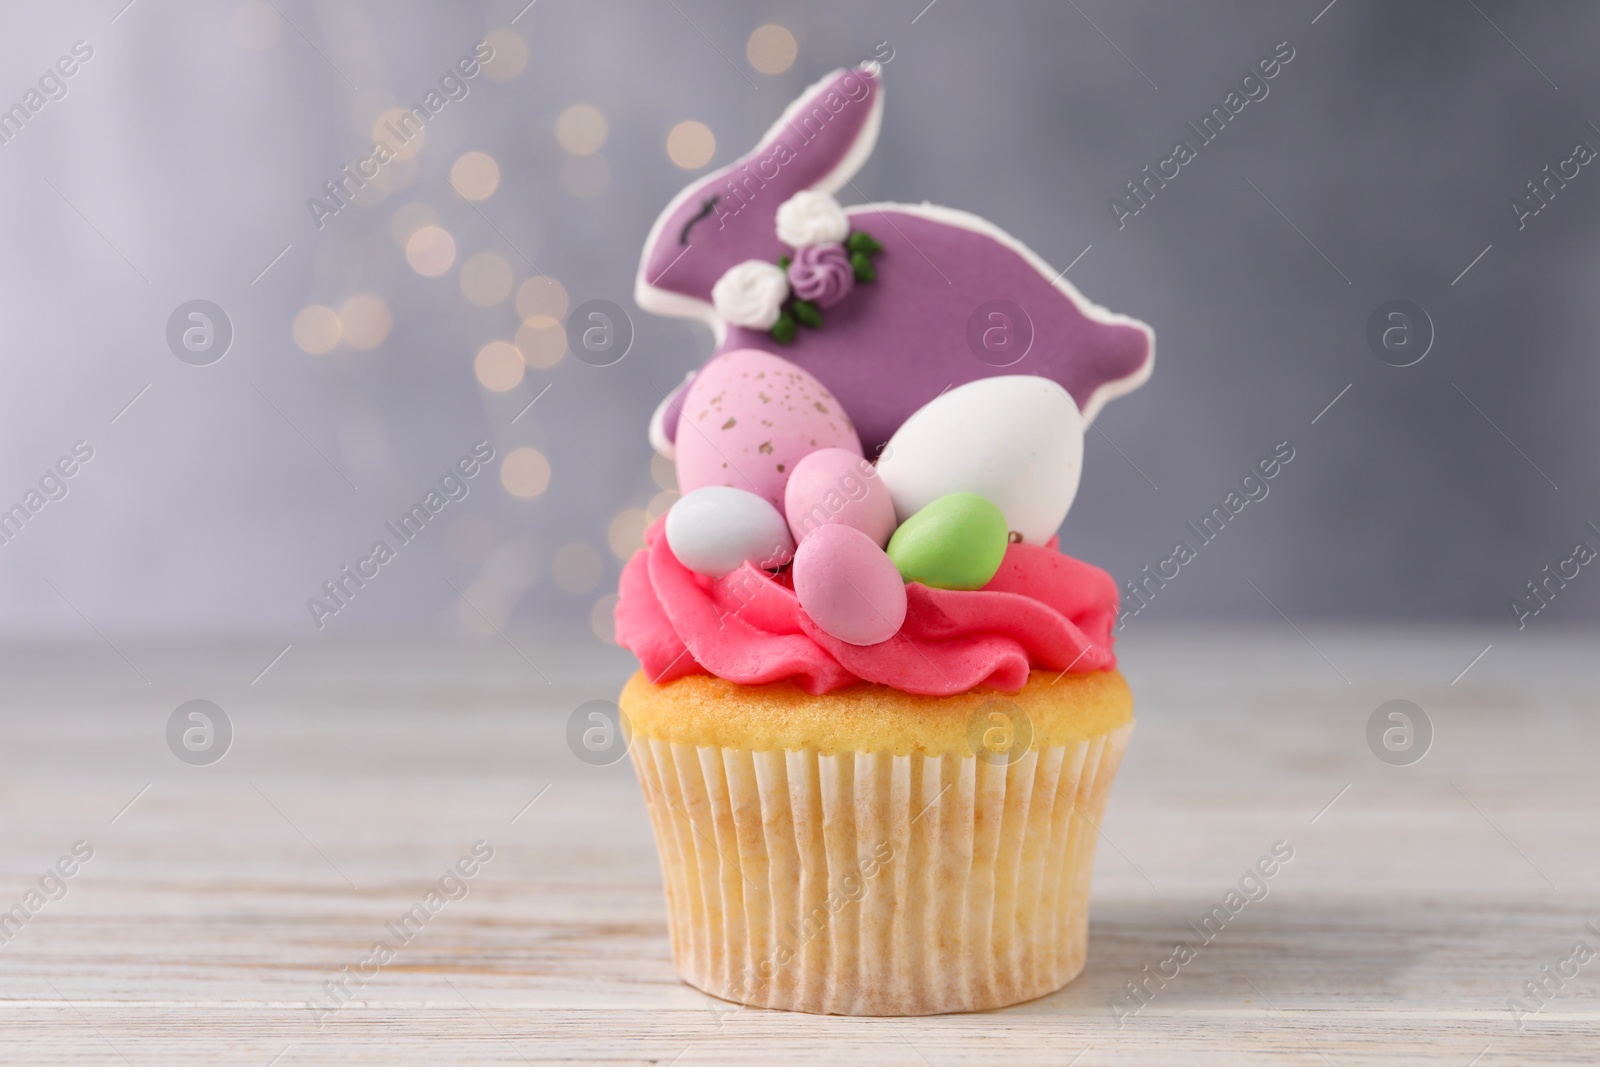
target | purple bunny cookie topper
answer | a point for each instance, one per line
(937, 275)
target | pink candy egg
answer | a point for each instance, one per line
(848, 585)
(749, 417)
(835, 485)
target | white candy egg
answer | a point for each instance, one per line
(1015, 439)
(715, 529)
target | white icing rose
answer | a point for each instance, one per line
(751, 294)
(812, 218)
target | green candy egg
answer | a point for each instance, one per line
(956, 542)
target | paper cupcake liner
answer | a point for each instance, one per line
(876, 884)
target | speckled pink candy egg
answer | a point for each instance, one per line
(836, 485)
(749, 417)
(849, 586)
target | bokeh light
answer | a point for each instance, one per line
(430, 250)
(401, 130)
(525, 473)
(542, 295)
(691, 144)
(392, 176)
(585, 177)
(499, 366)
(373, 190)
(577, 567)
(365, 321)
(603, 618)
(625, 534)
(410, 218)
(771, 49)
(661, 503)
(255, 25)
(316, 329)
(581, 129)
(486, 279)
(543, 341)
(663, 471)
(510, 54)
(366, 105)
(475, 175)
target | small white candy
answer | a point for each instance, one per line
(715, 529)
(1015, 439)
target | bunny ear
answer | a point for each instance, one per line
(829, 131)
(819, 142)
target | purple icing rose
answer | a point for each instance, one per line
(821, 274)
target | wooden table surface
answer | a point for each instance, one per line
(1419, 901)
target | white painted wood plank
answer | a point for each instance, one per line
(221, 900)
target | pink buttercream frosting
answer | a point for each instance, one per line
(1042, 610)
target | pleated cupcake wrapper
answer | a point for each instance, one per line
(875, 884)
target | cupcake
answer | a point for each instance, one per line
(878, 713)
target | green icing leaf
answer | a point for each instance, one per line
(863, 243)
(784, 261)
(863, 267)
(784, 330)
(808, 313)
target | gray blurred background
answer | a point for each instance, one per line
(369, 355)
